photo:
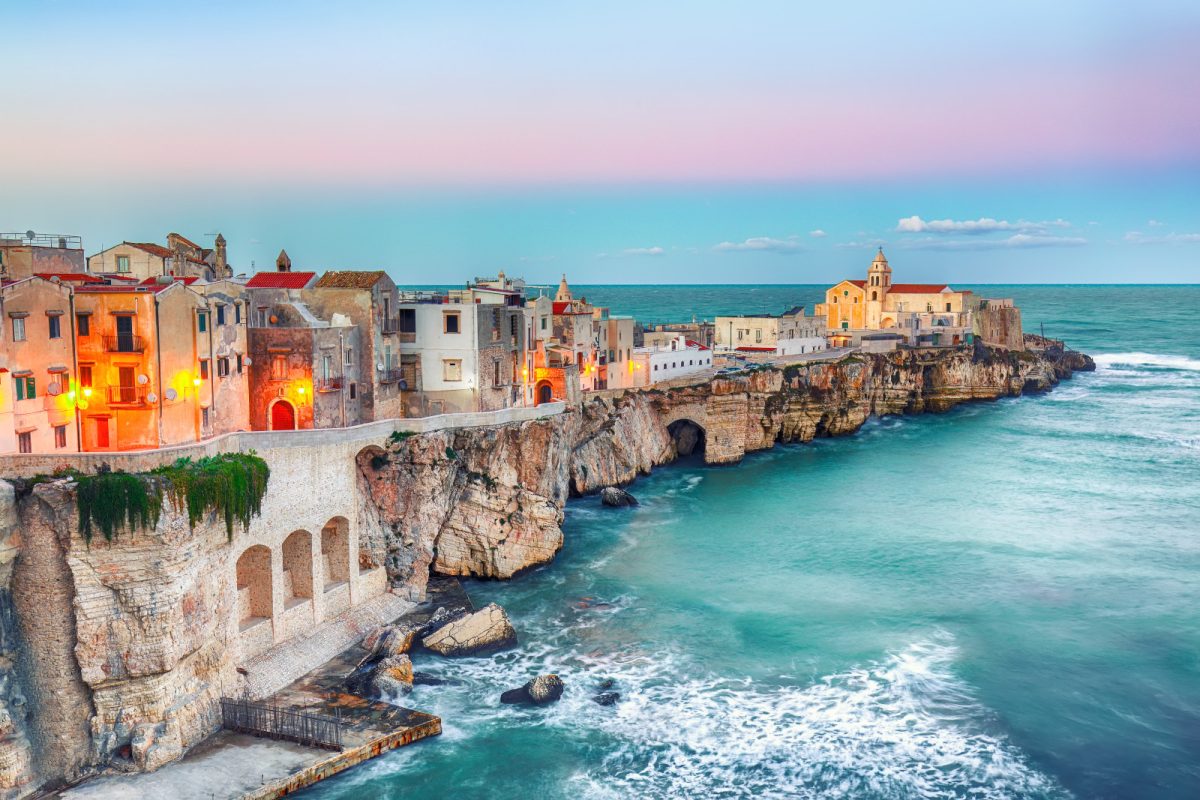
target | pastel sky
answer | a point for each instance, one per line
(618, 141)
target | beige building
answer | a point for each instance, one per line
(37, 399)
(790, 333)
(180, 257)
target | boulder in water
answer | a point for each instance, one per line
(485, 631)
(540, 691)
(607, 698)
(617, 498)
(393, 676)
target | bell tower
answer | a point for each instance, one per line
(879, 281)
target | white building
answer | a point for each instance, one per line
(675, 359)
(790, 333)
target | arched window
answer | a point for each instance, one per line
(874, 295)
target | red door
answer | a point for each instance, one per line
(102, 432)
(283, 416)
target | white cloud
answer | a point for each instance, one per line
(760, 244)
(643, 251)
(916, 224)
(1017, 240)
(1137, 237)
(817, 234)
(871, 243)
(1155, 223)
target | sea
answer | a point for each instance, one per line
(1002, 601)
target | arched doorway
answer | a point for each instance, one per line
(544, 392)
(688, 438)
(283, 416)
(254, 587)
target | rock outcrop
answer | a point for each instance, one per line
(617, 498)
(485, 631)
(539, 691)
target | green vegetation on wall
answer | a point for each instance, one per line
(230, 484)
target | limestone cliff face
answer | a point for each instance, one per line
(488, 502)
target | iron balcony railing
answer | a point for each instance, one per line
(122, 343)
(333, 384)
(59, 240)
(126, 395)
(276, 722)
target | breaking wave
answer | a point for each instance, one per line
(1109, 360)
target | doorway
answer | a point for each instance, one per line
(283, 416)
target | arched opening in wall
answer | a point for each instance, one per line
(688, 437)
(297, 569)
(335, 553)
(283, 415)
(254, 587)
(887, 322)
(543, 393)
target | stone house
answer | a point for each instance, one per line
(180, 257)
(37, 398)
(304, 370)
(26, 254)
(369, 299)
(229, 335)
(791, 333)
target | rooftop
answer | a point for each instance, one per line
(281, 280)
(349, 279)
(32, 239)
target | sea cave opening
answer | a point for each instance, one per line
(688, 437)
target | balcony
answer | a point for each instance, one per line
(329, 384)
(126, 395)
(389, 325)
(124, 343)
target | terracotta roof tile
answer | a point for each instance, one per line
(350, 279)
(69, 277)
(281, 280)
(152, 249)
(917, 288)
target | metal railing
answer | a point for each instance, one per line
(126, 395)
(275, 722)
(59, 240)
(124, 344)
(333, 384)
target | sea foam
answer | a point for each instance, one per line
(1162, 361)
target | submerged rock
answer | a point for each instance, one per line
(617, 498)
(540, 691)
(485, 631)
(388, 640)
(393, 676)
(607, 698)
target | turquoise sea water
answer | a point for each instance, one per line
(1000, 601)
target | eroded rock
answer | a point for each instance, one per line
(485, 631)
(540, 691)
(616, 497)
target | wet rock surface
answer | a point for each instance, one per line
(539, 691)
(617, 498)
(484, 631)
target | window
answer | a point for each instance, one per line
(512, 325)
(25, 442)
(83, 324)
(496, 372)
(353, 390)
(263, 317)
(929, 307)
(60, 436)
(122, 263)
(26, 388)
(204, 369)
(947, 306)
(220, 315)
(543, 323)
(239, 363)
(205, 418)
(237, 313)
(85, 375)
(835, 301)
(758, 335)
(349, 355)
(450, 322)
(222, 367)
(845, 293)
(18, 329)
(55, 327)
(202, 321)
(279, 368)
(326, 366)
(452, 369)
(407, 320)
(874, 295)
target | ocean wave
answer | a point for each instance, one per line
(1138, 359)
(903, 727)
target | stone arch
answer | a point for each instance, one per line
(281, 415)
(297, 569)
(543, 393)
(887, 322)
(335, 553)
(254, 589)
(688, 437)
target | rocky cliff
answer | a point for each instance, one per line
(488, 502)
(113, 654)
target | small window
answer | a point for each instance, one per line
(220, 315)
(122, 263)
(202, 321)
(239, 363)
(222, 367)
(237, 313)
(543, 323)
(947, 306)
(407, 320)
(60, 436)
(452, 369)
(496, 381)
(55, 327)
(18, 325)
(204, 369)
(279, 370)
(349, 355)
(26, 388)
(450, 322)
(85, 375)
(25, 442)
(845, 293)
(83, 324)
(205, 417)
(353, 390)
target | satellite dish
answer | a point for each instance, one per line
(402, 385)
(171, 394)
(247, 361)
(379, 367)
(54, 389)
(152, 398)
(142, 380)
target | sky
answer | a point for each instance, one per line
(618, 142)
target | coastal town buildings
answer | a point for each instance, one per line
(791, 333)
(675, 359)
(30, 253)
(180, 257)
